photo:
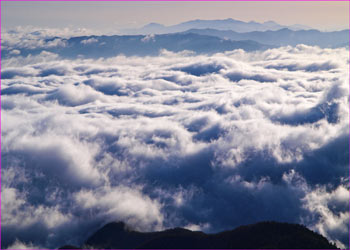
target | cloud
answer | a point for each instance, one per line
(332, 221)
(129, 205)
(89, 41)
(197, 141)
(21, 72)
(55, 42)
(237, 76)
(21, 88)
(15, 52)
(313, 67)
(56, 70)
(29, 37)
(71, 95)
(148, 38)
(200, 69)
(20, 245)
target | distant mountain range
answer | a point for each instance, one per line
(226, 24)
(283, 37)
(207, 41)
(264, 235)
(199, 36)
(139, 45)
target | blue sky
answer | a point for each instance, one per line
(113, 16)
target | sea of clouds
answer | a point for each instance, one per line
(178, 140)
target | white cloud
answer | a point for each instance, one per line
(148, 38)
(175, 140)
(15, 52)
(333, 222)
(89, 41)
(32, 37)
(71, 95)
(20, 245)
(123, 204)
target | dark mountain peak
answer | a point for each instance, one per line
(177, 230)
(266, 235)
(270, 226)
(110, 231)
(69, 247)
(270, 23)
(154, 25)
(284, 30)
(253, 22)
(231, 20)
(117, 226)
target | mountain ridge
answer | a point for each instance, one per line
(138, 45)
(221, 24)
(200, 41)
(273, 235)
(282, 37)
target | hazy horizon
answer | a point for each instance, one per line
(112, 17)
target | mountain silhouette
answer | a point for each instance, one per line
(109, 46)
(283, 37)
(223, 24)
(200, 41)
(263, 235)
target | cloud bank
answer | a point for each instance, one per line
(203, 142)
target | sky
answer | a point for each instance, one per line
(114, 16)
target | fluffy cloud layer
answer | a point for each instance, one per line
(204, 142)
(29, 37)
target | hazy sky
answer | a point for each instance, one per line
(112, 16)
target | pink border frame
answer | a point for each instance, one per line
(159, 1)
